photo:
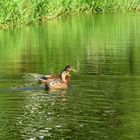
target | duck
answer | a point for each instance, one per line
(60, 81)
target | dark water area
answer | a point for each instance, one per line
(103, 100)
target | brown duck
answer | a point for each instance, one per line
(58, 81)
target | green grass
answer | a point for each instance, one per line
(19, 12)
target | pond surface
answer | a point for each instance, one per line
(103, 101)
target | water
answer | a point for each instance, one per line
(103, 101)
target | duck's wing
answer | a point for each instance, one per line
(46, 81)
(45, 77)
(48, 78)
(56, 84)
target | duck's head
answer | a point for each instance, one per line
(69, 68)
(65, 75)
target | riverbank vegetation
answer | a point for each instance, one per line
(19, 12)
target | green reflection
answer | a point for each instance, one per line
(98, 40)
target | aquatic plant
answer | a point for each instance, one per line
(18, 12)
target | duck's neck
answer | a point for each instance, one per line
(67, 79)
(65, 76)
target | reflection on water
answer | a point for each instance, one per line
(103, 99)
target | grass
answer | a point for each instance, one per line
(19, 12)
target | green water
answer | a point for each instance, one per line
(103, 100)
